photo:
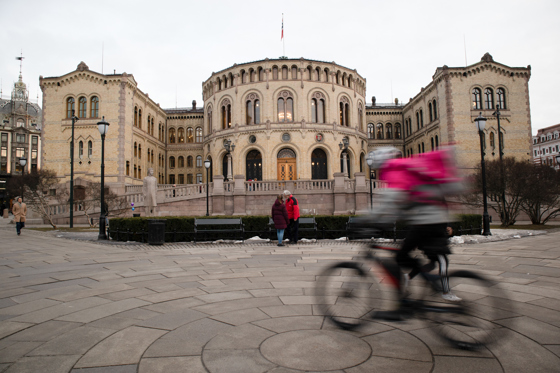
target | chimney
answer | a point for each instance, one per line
(194, 104)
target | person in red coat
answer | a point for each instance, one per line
(292, 205)
(280, 218)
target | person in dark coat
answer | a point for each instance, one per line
(280, 218)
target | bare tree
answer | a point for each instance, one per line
(36, 188)
(541, 200)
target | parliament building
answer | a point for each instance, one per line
(277, 119)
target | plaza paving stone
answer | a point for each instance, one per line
(79, 306)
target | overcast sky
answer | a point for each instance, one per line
(171, 47)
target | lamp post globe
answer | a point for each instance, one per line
(103, 127)
(207, 164)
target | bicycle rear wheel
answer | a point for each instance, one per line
(346, 293)
(467, 324)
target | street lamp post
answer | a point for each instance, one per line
(103, 127)
(22, 162)
(74, 120)
(480, 124)
(501, 153)
(207, 164)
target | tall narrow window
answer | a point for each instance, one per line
(127, 168)
(501, 95)
(249, 114)
(388, 131)
(139, 118)
(275, 73)
(190, 135)
(189, 161)
(492, 141)
(430, 112)
(198, 134)
(171, 162)
(285, 107)
(370, 131)
(435, 110)
(417, 120)
(198, 161)
(172, 135)
(488, 99)
(181, 161)
(253, 109)
(314, 110)
(284, 73)
(379, 131)
(398, 131)
(81, 149)
(294, 72)
(476, 99)
(421, 119)
(70, 107)
(226, 114)
(135, 116)
(344, 111)
(261, 75)
(90, 149)
(209, 120)
(360, 118)
(139, 151)
(181, 135)
(82, 107)
(94, 107)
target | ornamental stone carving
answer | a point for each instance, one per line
(318, 95)
(285, 94)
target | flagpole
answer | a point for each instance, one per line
(283, 41)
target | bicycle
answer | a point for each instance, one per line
(348, 295)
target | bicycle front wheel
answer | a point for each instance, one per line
(346, 293)
(468, 323)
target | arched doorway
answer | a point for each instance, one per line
(319, 165)
(253, 165)
(286, 161)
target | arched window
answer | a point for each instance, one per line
(189, 161)
(492, 141)
(226, 114)
(360, 118)
(90, 149)
(417, 120)
(379, 135)
(421, 119)
(294, 72)
(476, 99)
(432, 143)
(171, 162)
(319, 165)
(198, 134)
(488, 99)
(430, 112)
(284, 73)
(94, 107)
(318, 108)
(435, 109)
(172, 135)
(198, 161)
(370, 131)
(398, 134)
(285, 107)
(140, 118)
(70, 106)
(253, 109)
(275, 73)
(81, 149)
(252, 75)
(243, 76)
(181, 161)
(501, 95)
(209, 120)
(253, 165)
(180, 135)
(437, 141)
(139, 151)
(148, 124)
(261, 74)
(82, 107)
(152, 130)
(135, 149)
(344, 111)
(135, 116)
(388, 131)
(190, 135)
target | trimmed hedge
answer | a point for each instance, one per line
(181, 228)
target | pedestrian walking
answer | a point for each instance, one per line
(292, 205)
(20, 212)
(280, 218)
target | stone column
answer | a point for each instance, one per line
(229, 167)
(345, 163)
(239, 196)
(361, 193)
(218, 198)
(339, 197)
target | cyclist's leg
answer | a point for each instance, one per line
(413, 239)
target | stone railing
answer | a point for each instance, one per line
(314, 184)
(350, 184)
(228, 186)
(184, 191)
(264, 186)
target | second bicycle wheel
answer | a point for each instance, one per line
(346, 293)
(468, 323)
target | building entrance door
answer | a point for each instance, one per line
(287, 169)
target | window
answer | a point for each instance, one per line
(488, 99)
(81, 149)
(226, 114)
(82, 107)
(181, 179)
(388, 131)
(199, 178)
(397, 131)
(437, 141)
(294, 72)
(318, 108)
(127, 168)
(20, 137)
(417, 121)
(284, 73)
(139, 118)
(275, 73)
(432, 143)
(379, 135)
(70, 107)
(135, 172)
(34, 140)
(171, 162)
(190, 135)
(435, 110)
(34, 154)
(209, 120)
(172, 135)
(94, 107)
(181, 161)
(421, 119)
(135, 150)
(285, 107)
(139, 172)
(198, 134)
(135, 116)
(261, 74)
(189, 161)
(253, 109)
(171, 179)
(492, 141)
(370, 131)
(139, 151)
(344, 112)
(360, 118)
(180, 135)
(501, 96)
(198, 161)
(20, 152)
(430, 110)
(476, 99)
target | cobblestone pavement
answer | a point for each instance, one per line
(81, 307)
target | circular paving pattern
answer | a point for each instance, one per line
(315, 350)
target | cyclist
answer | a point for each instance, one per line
(416, 191)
